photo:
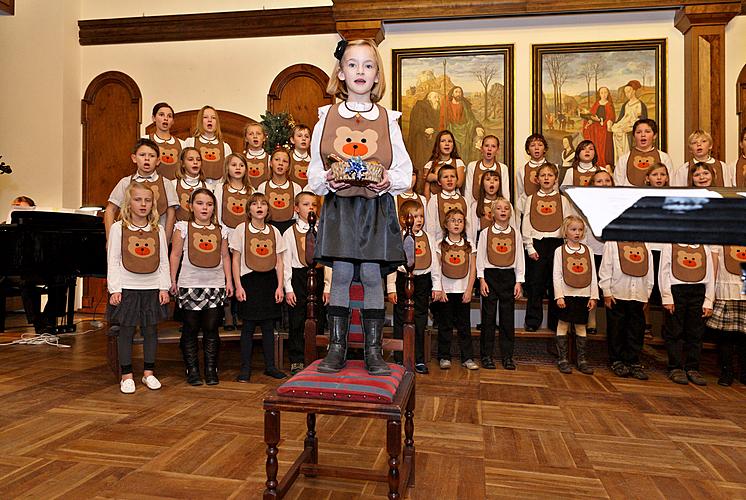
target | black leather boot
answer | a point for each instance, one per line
(211, 347)
(339, 323)
(373, 330)
(188, 344)
(562, 363)
(581, 343)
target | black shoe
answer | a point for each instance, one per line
(696, 378)
(336, 357)
(243, 377)
(726, 378)
(591, 331)
(562, 346)
(229, 328)
(193, 378)
(373, 331)
(678, 376)
(421, 368)
(581, 343)
(636, 371)
(620, 369)
(530, 328)
(488, 363)
(274, 373)
(508, 363)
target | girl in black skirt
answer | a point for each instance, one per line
(138, 279)
(257, 274)
(575, 290)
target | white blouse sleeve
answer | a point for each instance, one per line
(400, 172)
(316, 173)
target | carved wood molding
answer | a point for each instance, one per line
(243, 24)
(116, 77)
(356, 30)
(7, 7)
(294, 71)
(705, 15)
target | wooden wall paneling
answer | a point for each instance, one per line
(741, 104)
(299, 90)
(231, 125)
(7, 7)
(214, 26)
(111, 116)
(703, 27)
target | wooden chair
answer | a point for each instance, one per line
(342, 401)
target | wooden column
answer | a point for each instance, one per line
(703, 27)
(356, 30)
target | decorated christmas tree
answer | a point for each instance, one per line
(278, 127)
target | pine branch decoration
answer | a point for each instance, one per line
(278, 128)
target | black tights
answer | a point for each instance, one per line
(149, 345)
(208, 320)
(267, 327)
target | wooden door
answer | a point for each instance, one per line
(299, 90)
(111, 116)
(741, 104)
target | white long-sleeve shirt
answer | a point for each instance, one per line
(118, 278)
(530, 233)
(434, 268)
(727, 285)
(560, 287)
(483, 261)
(614, 283)
(291, 260)
(496, 166)
(666, 279)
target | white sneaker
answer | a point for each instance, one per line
(445, 364)
(127, 386)
(152, 382)
(469, 364)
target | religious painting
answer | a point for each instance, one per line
(596, 92)
(467, 90)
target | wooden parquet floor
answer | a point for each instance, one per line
(67, 432)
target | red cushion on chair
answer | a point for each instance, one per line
(353, 383)
(356, 305)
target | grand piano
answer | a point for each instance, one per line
(51, 249)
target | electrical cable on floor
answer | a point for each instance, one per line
(37, 339)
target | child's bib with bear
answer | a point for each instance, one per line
(140, 250)
(170, 153)
(356, 137)
(423, 257)
(280, 200)
(733, 256)
(576, 267)
(447, 204)
(260, 250)
(204, 246)
(160, 201)
(233, 207)
(476, 179)
(257, 168)
(633, 258)
(638, 164)
(212, 157)
(454, 260)
(184, 194)
(546, 212)
(401, 200)
(300, 244)
(299, 169)
(688, 264)
(531, 178)
(583, 178)
(500, 247)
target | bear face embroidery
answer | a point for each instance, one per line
(634, 254)
(169, 156)
(690, 260)
(255, 169)
(643, 162)
(533, 176)
(279, 200)
(546, 207)
(351, 143)
(447, 207)
(204, 242)
(237, 206)
(456, 257)
(738, 253)
(261, 247)
(184, 202)
(420, 248)
(502, 245)
(301, 170)
(577, 265)
(209, 154)
(488, 212)
(584, 180)
(141, 247)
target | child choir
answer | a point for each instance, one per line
(236, 224)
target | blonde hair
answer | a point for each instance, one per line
(246, 129)
(125, 214)
(257, 197)
(198, 130)
(245, 179)
(652, 168)
(699, 134)
(181, 172)
(571, 219)
(337, 87)
(497, 200)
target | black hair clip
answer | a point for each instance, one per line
(340, 50)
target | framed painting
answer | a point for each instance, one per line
(596, 91)
(467, 90)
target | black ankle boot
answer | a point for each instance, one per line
(339, 323)
(373, 330)
(188, 346)
(562, 345)
(211, 347)
(581, 343)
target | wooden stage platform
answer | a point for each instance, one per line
(67, 432)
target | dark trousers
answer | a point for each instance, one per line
(454, 314)
(539, 284)
(297, 314)
(149, 346)
(730, 343)
(421, 297)
(268, 343)
(683, 330)
(501, 283)
(625, 331)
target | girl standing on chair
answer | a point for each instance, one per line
(200, 245)
(138, 280)
(359, 232)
